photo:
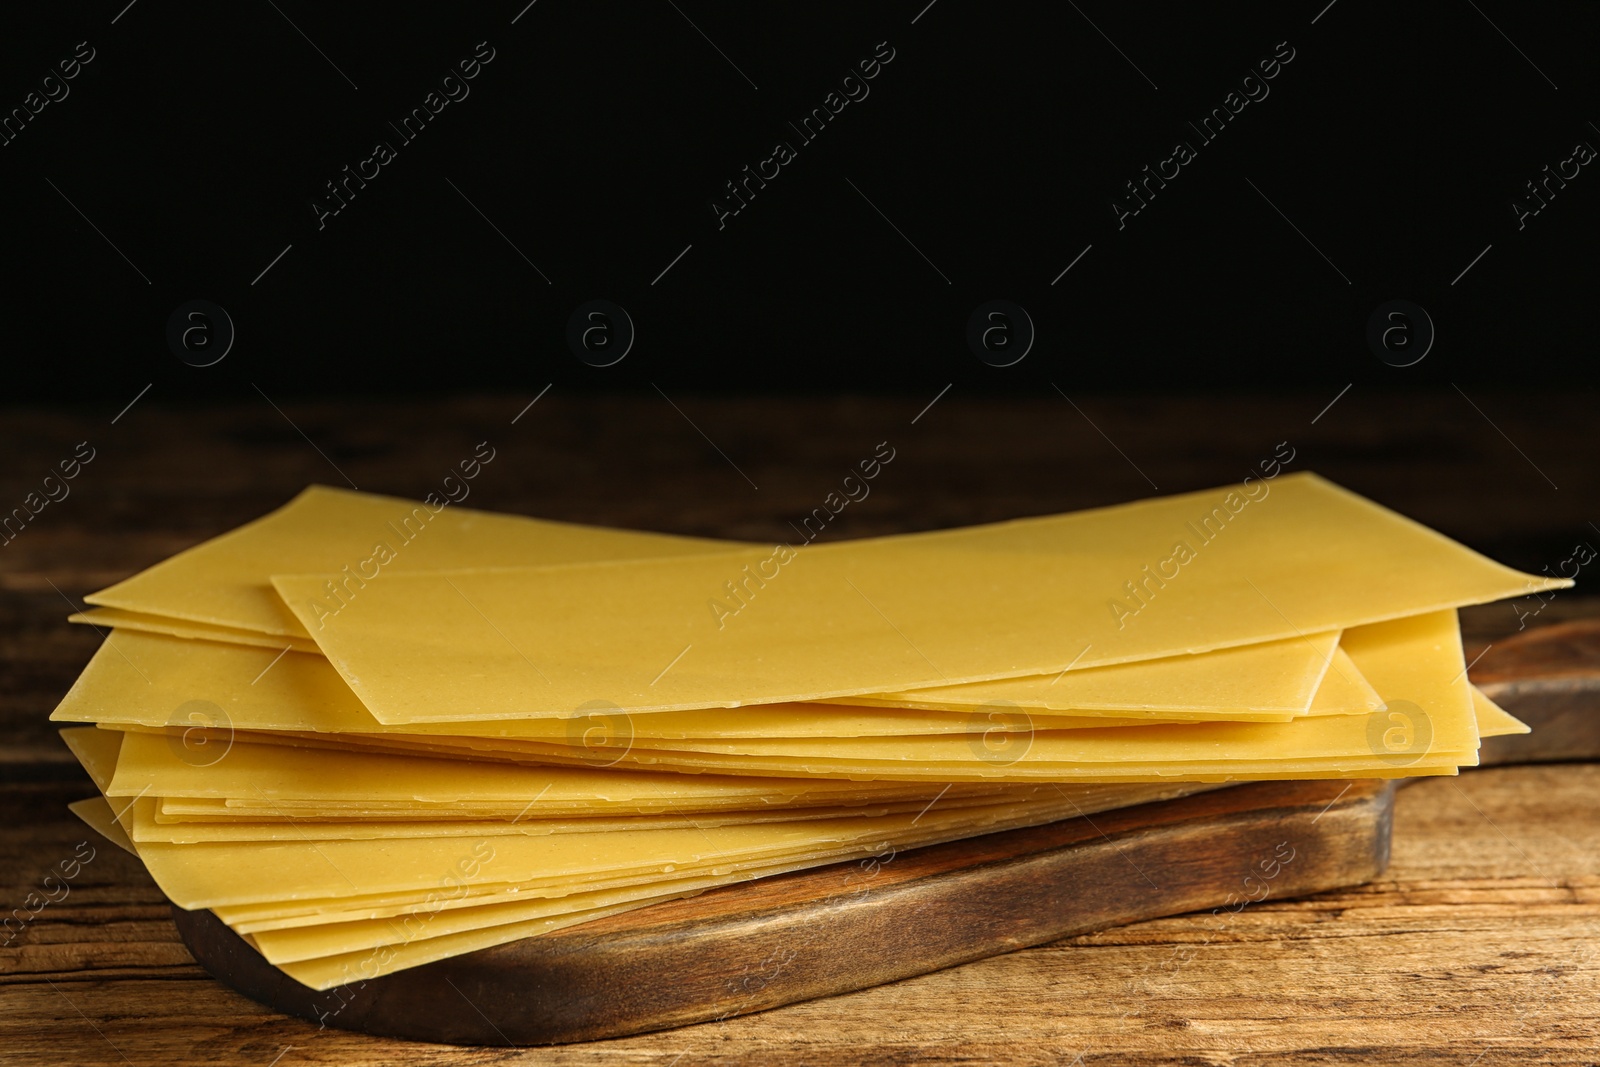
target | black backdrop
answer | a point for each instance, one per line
(1381, 161)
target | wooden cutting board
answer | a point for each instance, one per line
(848, 926)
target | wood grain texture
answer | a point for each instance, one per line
(1478, 946)
(1550, 678)
(1483, 937)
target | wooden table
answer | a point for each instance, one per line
(1480, 945)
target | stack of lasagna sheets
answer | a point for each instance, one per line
(370, 733)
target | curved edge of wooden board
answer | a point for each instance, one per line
(849, 926)
(1549, 678)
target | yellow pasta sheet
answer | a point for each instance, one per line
(349, 907)
(1332, 745)
(280, 872)
(1344, 691)
(296, 944)
(1015, 599)
(146, 827)
(444, 923)
(1234, 683)
(272, 774)
(327, 971)
(216, 873)
(351, 969)
(186, 811)
(1493, 720)
(170, 765)
(1268, 682)
(97, 815)
(219, 591)
(1415, 663)
(155, 680)
(97, 751)
(223, 581)
(620, 859)
(290, 944)
(177, 810)
(108, 618)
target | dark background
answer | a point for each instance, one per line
(994, 142)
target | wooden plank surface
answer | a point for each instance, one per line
(1481, 944)
(1481, 938)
